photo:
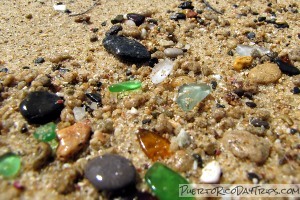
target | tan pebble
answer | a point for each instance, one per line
(245, 145)
(264, 73)
(72, 140)
(60, 57)
(180, 80)
(190, 13)
(131, 31)
(242, 62)
(182, 161)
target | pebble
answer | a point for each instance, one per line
(41, 107)
(137, 18)
(153, 145)
(287, 68)
(245, 145)
(117, 19)
(82, 19)
(180, 80)
(296, 90)
(39, 60)
(265, 73)
(152, 62)
(191, 14)
(183, 138)
(10, 165)
(45, 133)
(79, 113)
(95, 97)
(125, 49)
(260, 123)
(161, 71)
(114, 30)
(60, 57)
(125, 86)
(173, 52)
(211, 173)
(72, 140)
(110, 172)
(164, 182)
(253, 177)
(189, 95)
(242, 62)
(131, 31)
(251, 35)
(186, 5)
(178, 16)
(250, 104)
(94, 38)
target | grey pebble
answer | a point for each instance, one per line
(173, 52)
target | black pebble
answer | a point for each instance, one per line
(103, 23)
(117, 19)
(287, 68)
(125, 49)
(146, 121)
(214, 84)
(95, 97)
(251, 104)
(199, 160)
(186, 5)
(5, 70)
(94, 38)
(114, 30)
(251, 35)
(252, 175)
(296, 90)
(260, 123)
(293, 131)
(137, 18)
(240, 92)
(248, 95)
(177, 16)
(261, 19)
(284, 25)
(41, 107)
(220, 105)
(110, 172)
(39, 60)
(153, 61)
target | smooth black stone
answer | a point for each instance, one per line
(39, 60)
(240, 92)
(260, 123)
(250, 35)
(110, 172)
(285, 25)
(95, 97)
(248, 95)
(5, 70)
(41, 107)
(261, 19)
(125, 49)
(114, 30)
(117, 19)
(252, 175)
(251, 104)
(153, 61)
(137, 18)
(287, 68)
(178, 16)
(293, 131)
(214, 84)
(296, 90)
(186, 5)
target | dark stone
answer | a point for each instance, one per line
(240, 92)
(220, 105)
(5, 70)
(95, 97)
(152, 21)
(117, 19)
(248, 95)
(94, 30)
(251, 104)
(137, 18)
(114, 30)
(178, 16)
(41, 107)
(103, 23)
(296, 90)
(125, 49)
(293, 131)
(186, 5)
(261, 19)
(287, 68)
(24, 128)
(146, 121)
(39, 60)
(153, 61)
(94, 38)
(26, 67)
(110, 172)
(284, 25)
(199, 160)
(251, 35)
(214, 84)
(260, 123)
(252, 175)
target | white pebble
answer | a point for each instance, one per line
(133, 111)
(129, 23)
(62, 8)
(173, 52)
(183, 139)
(94, 105)
(211, 173)
(79, 113)
(143, 33)
(161, 71)
(245, 50)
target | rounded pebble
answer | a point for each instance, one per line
(242, 62)
(211, 173)
(110, 172)
(173, 52)
(265, 73)
(41, 107)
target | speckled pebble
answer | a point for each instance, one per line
(245, 145)
(264, 74)
(110, 172)
(173, 52)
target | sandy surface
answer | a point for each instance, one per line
(32, 29)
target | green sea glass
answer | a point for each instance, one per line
(10, 165)
(164, 182)
(45, 133)
(125, 86)
(189, 95)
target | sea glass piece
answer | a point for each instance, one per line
(153, 145)
(164, 182)
(10, 165)
(189, 95)
(46, 132)
(125, 86)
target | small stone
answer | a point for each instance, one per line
(265, 73)
(82, 19)
(189, 95)
(94, 38)
(39, 60)
(244, 145)
(287, 68)
(211, 173)
(10, 165)
(5, 70)
(28, 16)
(79, 113)
(178, 16)
(45, 133)
(242, 62)
(296, 90)
(253, 177)
(251, 104)
(117, 19)
(137, 18)
(180, 80)
(72, 140)
(183, 138)
(125, 86)
(191, 14)
(173, 52)
(260, 123)
(251, 35)
(152, 62)
(261, 19)
(125, 49)
(281, 25)
(60, 7)
(41, 107)
(95, 97)
(186, 5)
(161, 71)
(199, 160)
(60, 57)
(182, 161)
(114, 30)
(154, 146)
(164, 182)
(110, 172)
